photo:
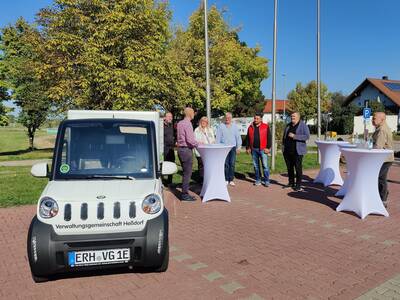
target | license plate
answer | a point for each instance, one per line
(98, 257)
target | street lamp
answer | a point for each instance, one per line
(284, 97)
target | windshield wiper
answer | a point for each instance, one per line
(118, 177)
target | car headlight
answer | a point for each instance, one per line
(48, 208)
(151, 204)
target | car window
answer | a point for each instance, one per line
(110, 149)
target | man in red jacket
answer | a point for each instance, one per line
(258, 143)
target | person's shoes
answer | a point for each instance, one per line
(257, 183)
(187, 197)
(289, 185)
(266, 183)
(231, 183)
(298, 188)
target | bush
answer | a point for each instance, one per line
(279, 130)
(343, 118)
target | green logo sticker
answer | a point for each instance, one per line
(64, 168)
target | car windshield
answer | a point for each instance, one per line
(105, 150)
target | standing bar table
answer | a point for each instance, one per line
(342, 191)
(214, 185)
(329, 173)
(362, 196)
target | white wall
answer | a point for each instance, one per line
(242, 123)
(268, 117)
(391, 120)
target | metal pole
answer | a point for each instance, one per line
(318, 70)
(284, 96)
(274, 88)
(208, 104)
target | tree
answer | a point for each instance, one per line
(107, 54)
(20, 63)
(377, 106)
(4, 119)
(304, 100)
(342, 116)
(3, 96)
(236, 70)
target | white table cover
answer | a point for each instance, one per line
(362, 196)
(214, 185)
(342, 191)
(330, 155)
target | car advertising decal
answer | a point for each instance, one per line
(99, 225)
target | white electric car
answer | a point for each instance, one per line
(103, 206)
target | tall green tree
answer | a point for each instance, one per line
(3, 96)
(20, 64)
(107, 54)
(304, 100)
(342, 116)
(236, 70)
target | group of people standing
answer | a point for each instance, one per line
(258, 143)
(187, 140)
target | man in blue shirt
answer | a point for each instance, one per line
(228, 134)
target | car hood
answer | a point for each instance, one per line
(86, 190)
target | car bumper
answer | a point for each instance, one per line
(48, 252)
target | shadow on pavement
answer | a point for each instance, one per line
(18, 152)
(105, 272)
(316, 193)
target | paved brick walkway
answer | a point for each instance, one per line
(268, 243)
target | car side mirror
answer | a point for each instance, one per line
(168, 168)
(40, 169)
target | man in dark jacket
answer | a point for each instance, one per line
(294, 148)
(258, 143)
(169, 142)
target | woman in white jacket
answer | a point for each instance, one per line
(203, 134)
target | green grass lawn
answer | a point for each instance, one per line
(244, 166)
(19, 187)
(14, 144)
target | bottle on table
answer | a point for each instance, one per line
(357, 140)
(370, 143)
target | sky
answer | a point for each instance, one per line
(359, 38)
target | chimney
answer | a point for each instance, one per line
(385, 77)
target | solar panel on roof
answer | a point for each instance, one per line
(393, 86)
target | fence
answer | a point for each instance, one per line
(391, 120)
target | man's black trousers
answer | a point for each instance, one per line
(382, 181)
(294, 162)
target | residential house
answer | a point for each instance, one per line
(382, 90)
(280, 109)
